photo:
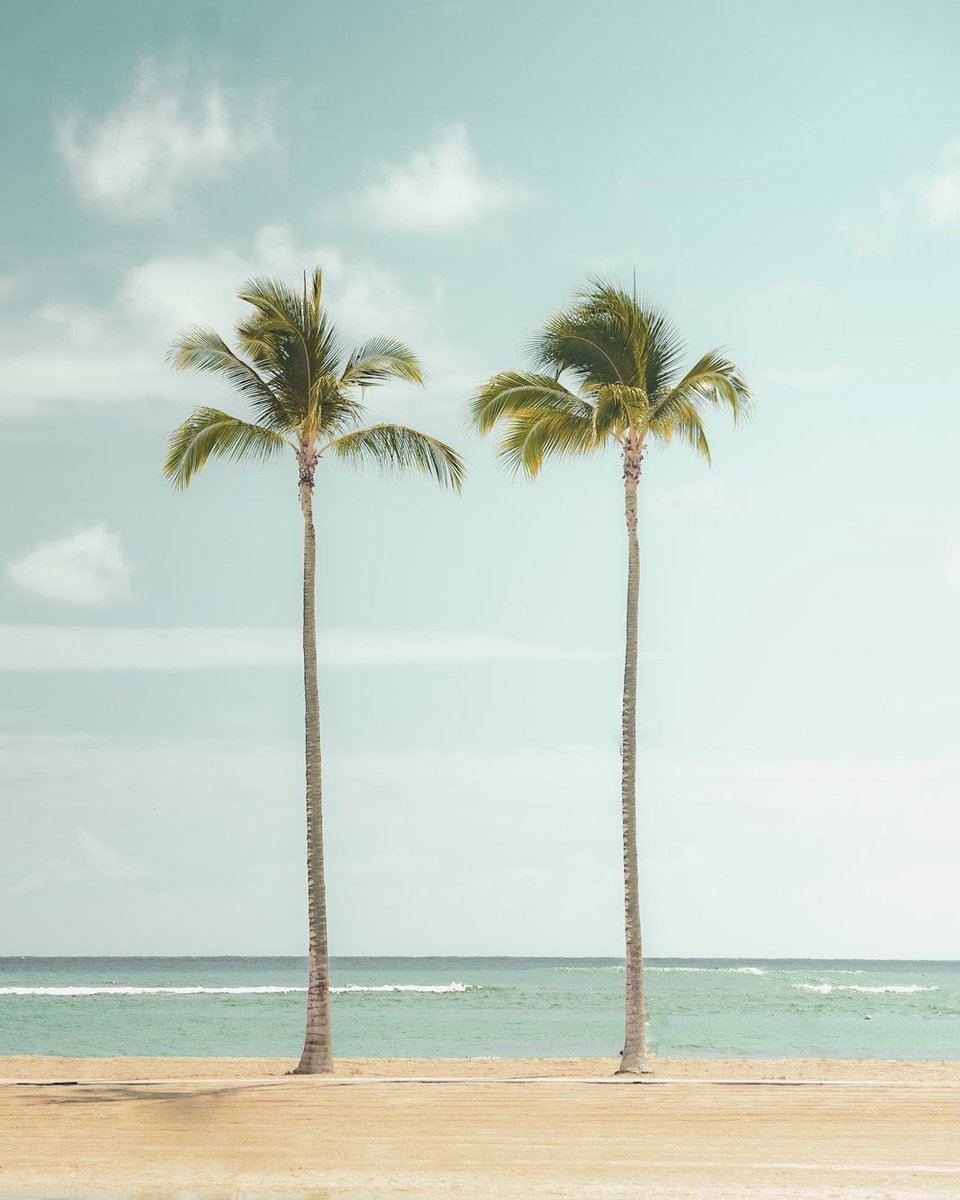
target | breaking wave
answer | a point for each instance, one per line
(826, 988)
(404, 987)
(266, 990)
(714, 970)
(614, 967)
(686, 970)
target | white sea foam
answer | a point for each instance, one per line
(687, 970)
(615, 967)
(714, 970)
(266, 990)
(146, 991)
(404, 987)
(826, 988)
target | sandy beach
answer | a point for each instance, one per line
(480, 1128)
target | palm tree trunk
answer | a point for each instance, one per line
(633, 1058)
(317, 1056)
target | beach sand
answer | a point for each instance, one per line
(225, 1127)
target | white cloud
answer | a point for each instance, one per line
(87, 567)
(179, 290)
(91, 648)
(939, 194)
(138, 158)
(440, 188)
(64, 352)
(932, 199)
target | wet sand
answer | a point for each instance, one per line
(486, 1128)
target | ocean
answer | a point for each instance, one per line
(480, 1007)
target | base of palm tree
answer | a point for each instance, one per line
(633, 1063)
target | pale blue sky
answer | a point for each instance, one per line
(783, 178)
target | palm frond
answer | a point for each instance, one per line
(617, 408)
(684, 423)
(586, 344)
(380, 359)
(333, 408)
(209, 433)
(290, 336)
(397, 448)
(660, 351)
(203, 349)
(530, 438)
(626, 357)
(288, 366)
(696, 437)
(655, 345)
(316, 289)
(276, 302)
(512, 393)
(714, 381)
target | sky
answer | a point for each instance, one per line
(784, 179)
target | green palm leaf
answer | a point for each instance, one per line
(290, 336)
(298, 385)
(588, 345)
(682, 423)
(654, 345)
(625, 357)
(203, 349)
(209, 433)
(381, 359)
(530, 438)
(396, 448)
(618, 407)
(513, 393)
(714, 381)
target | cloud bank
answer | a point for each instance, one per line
(87, 567)
(137, 159)
(65, 352)
(440, 188)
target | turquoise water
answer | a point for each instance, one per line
(499, 1007)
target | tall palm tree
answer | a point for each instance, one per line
(304, 394)
(623, 359)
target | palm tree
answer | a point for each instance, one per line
(623, 359)
(305, 397)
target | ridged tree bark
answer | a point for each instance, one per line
(633, 1058)
(317, 1056)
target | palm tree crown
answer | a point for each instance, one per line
(303, 390)
(625, 360)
